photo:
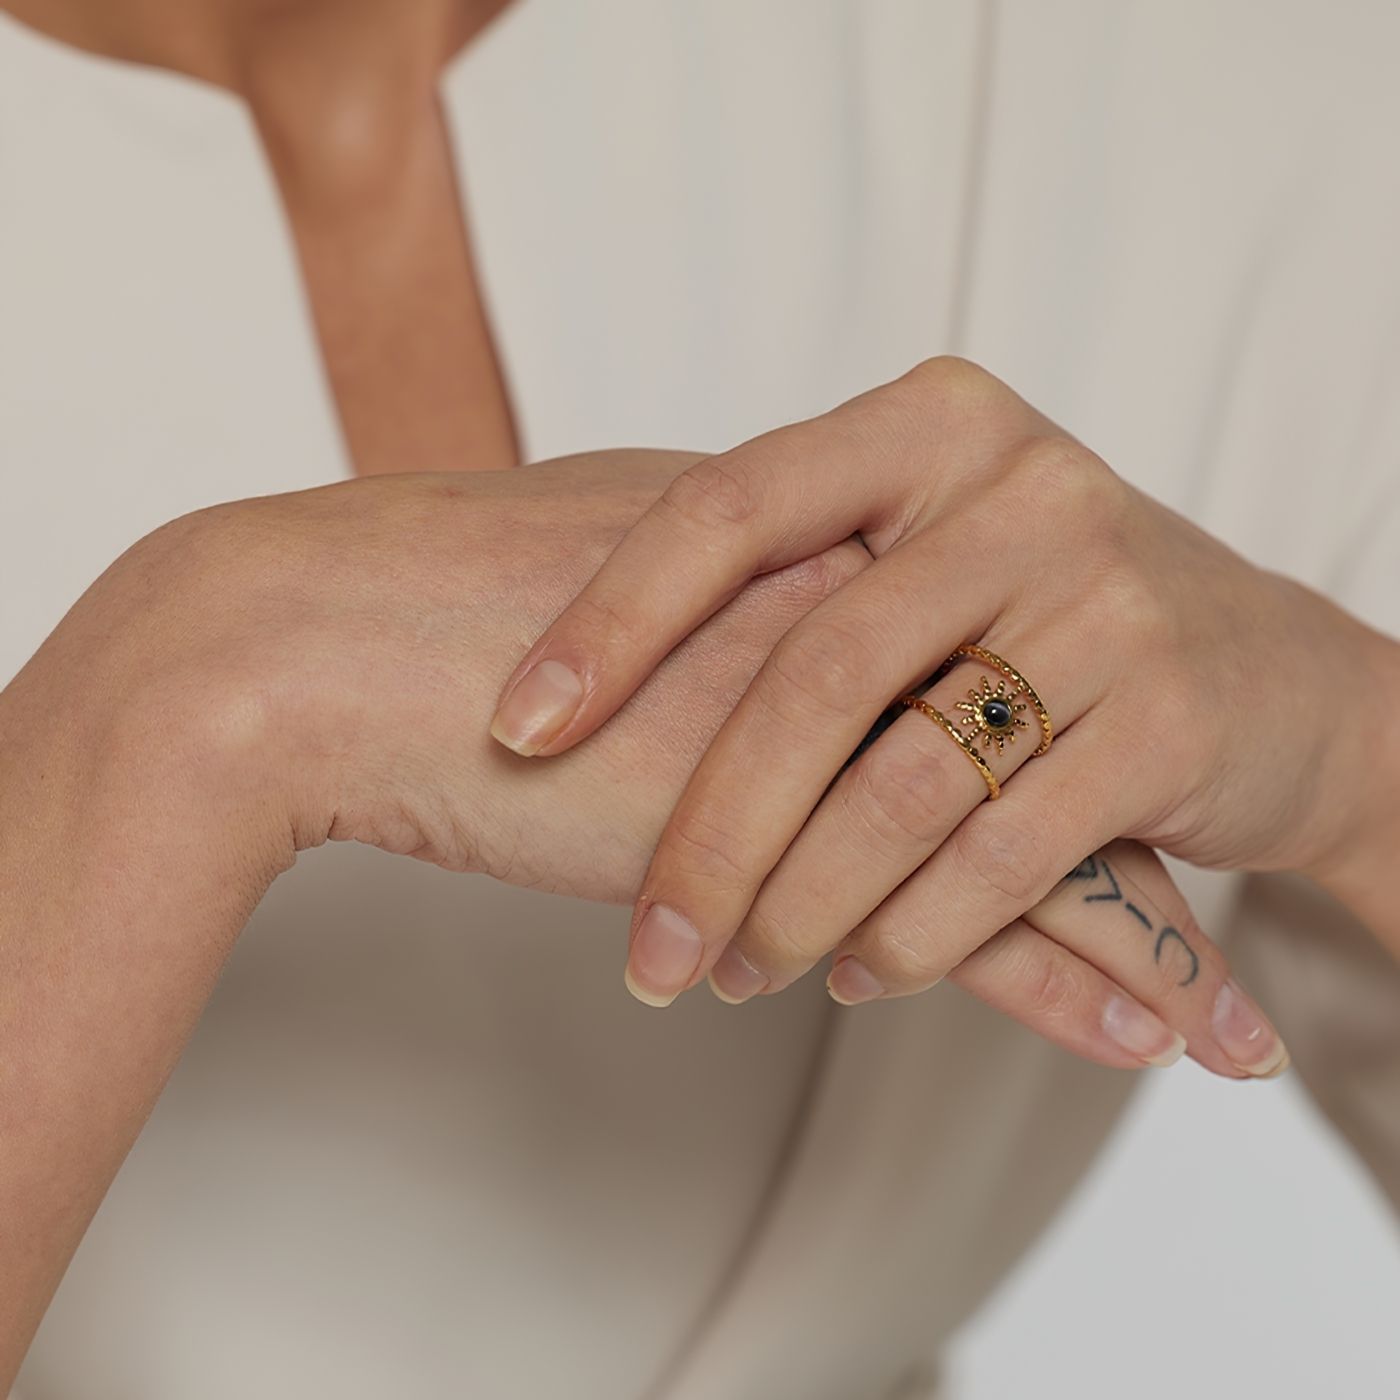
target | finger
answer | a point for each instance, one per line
(888, 812)
(1120, 910)
(868, 466)
(715, 527)
(1001, 861)
(1053, 992)
(808, 707)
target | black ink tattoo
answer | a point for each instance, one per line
(1139, 916)
(1166, 936)
(1114, 893)
(1094, 867)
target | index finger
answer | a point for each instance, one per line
(770, 502)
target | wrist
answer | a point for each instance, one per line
(111, 790)
(1361, 866)
(132, 716)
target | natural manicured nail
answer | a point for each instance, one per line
(665, 954)
(1134, 1028)
(734, 978)
(851, 983)
(1243, 1032)
(541, 704)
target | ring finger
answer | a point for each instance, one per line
(893, 807)
(824, 684)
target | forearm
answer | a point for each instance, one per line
(124, 881)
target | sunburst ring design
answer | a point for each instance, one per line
(915, 702)
(993, 716)
(1019, 684)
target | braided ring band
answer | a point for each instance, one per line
(1017, 679)
(964, 743)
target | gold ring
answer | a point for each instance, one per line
(1021, 687)
(964, 743)
(993, 714)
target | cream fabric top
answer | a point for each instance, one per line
(381, 1167)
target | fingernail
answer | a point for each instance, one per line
(734, 978)
(665, 954)
(1245, 1035)
(542, 703)
(1137, 1030)
(851, 983)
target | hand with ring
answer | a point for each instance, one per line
(1156, 688)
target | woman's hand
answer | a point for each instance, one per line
(587, 823)
(1194, 698)
(382, 616)
(256, 678)
(344, 647)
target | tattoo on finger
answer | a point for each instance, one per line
(1096, 871)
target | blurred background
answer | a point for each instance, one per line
(1225, 1244)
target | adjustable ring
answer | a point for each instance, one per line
(1001, 724)
(914, 702)
(993, 715)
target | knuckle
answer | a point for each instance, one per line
(942, 391)
(700, 847)
(1055, 471)
(905, 794)
(1084, 509)
(608, 619)
(771, 944)
(908, 957)
(954, 379)
(1136, 608)
(1052, 990)
(713, 493)
(828, 666)
(1003, 859)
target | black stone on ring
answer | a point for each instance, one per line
(997, 714)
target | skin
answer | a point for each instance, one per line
(1190, 691)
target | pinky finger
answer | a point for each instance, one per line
(1055, 993)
